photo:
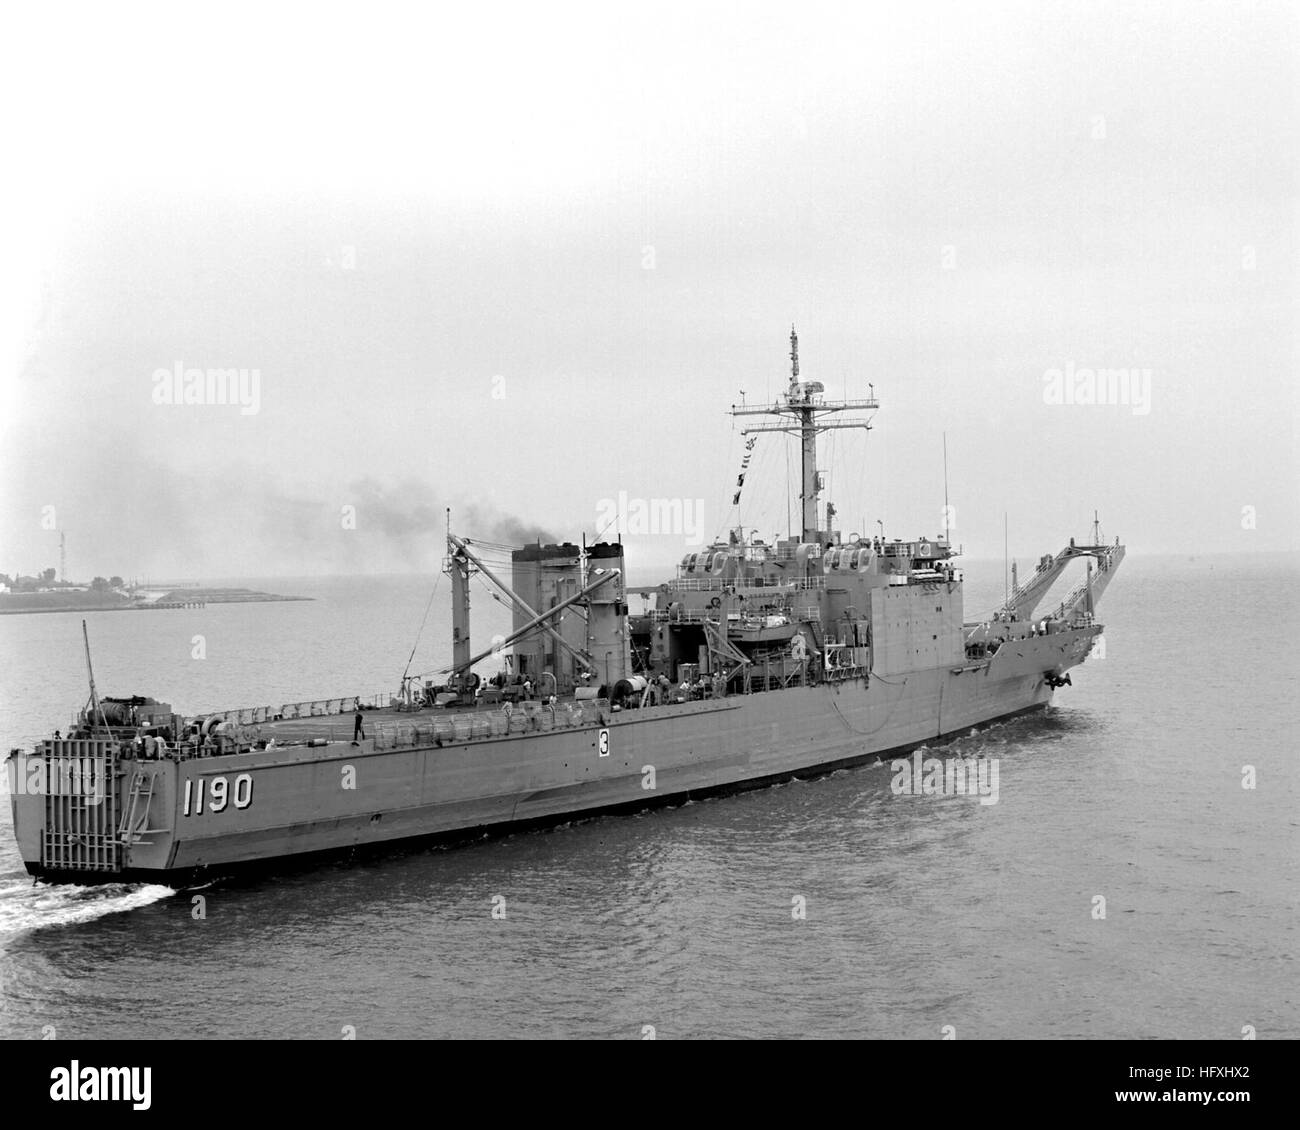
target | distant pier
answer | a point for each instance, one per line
(81, 601)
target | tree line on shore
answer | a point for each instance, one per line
(45, 580)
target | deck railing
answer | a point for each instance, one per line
(528, 717)
(757, 584)
(313, 708)
(734, 620)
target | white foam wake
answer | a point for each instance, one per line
(27, 907)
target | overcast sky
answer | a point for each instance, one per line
(520, 262)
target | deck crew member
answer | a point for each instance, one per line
(358, 730)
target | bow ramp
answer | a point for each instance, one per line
(1025, 598)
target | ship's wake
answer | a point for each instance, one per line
(26, 907)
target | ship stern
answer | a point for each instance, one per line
(83, 814)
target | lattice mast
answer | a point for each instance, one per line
(800, 413)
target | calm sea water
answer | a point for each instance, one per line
(920, 912)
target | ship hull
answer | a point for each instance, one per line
(204, 874)
(303, 805)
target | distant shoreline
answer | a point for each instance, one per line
(19, 604)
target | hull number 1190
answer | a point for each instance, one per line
(219, 794)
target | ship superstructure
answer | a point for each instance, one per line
(756, 662)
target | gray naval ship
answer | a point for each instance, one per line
(757, 663)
